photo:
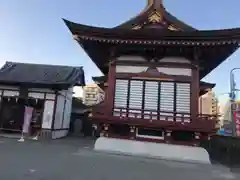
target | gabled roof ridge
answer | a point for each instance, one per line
(147, 8)
(155, 5)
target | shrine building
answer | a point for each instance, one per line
(152, 66)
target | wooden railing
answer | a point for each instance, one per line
(208, 116)
(148, 114)
(151, 114)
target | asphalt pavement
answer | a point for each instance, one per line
(74, 159)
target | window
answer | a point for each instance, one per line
(135, 98)
(154, 100)
(121, 96)
(48, 114)
(151, 99)
(167, 100)
(182, 100)
(91, 96)
(150, 133)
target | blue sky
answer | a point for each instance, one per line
(33, 31)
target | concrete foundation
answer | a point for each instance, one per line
(149, 149)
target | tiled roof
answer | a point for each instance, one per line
(41, 74)
(212, 47)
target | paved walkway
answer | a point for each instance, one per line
(74, 159)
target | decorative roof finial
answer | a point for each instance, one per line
(155, 3)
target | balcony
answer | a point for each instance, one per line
(159, 119)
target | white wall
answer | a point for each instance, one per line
(175, 71)
(40, 95)
(175, 60)
(68, 109)
(9, 90)
(67, 114)
(78, 91)
(165, 70)
(48, 114)
(165, 59)
(62, 119)
(10, 93)
(59, 112)
(37, 95)
(130, 69)
(59, 134)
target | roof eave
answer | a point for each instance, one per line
(233, 46)
(83, 33)
(206, 85)
(37, 85)
(92, 33)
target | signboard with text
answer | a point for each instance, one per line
(236, 117)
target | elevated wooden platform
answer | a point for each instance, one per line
(174, 128)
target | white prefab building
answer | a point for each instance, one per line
(47, 89)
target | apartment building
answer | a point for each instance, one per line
(208, 104)
(92, 94)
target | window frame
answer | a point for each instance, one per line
(159, 95)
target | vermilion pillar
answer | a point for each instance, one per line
(194, 93)
(109, 96)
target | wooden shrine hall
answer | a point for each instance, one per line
(47, 89)
(152, 66)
